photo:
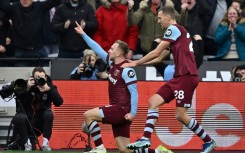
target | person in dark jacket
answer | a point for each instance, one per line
(216, 11)
(63, 23)
(35, 104)
(4, 28)
(27, 23)
(192, 12)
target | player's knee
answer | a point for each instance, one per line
(150, 105)
(155, 102)
(85, 128)
(180, 117)
(86, 115)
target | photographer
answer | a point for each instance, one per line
(238, 73)
(34, 115)
(92, 68)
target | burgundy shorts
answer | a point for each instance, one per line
(114, 115)
(181, 88)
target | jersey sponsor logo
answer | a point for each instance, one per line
(168, 33)
(131, 73)
(116, 72)
(113, 81)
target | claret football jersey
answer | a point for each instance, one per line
(119, 79)
(182, 49)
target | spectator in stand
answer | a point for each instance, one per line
(27, 25)
(112, 26)
(238, 73)
(230, 37)
(92, 68)
(146, 18)
(151, 32)
(4, 28)
(63, 23)
(95, 4)
(192, 12)
(50, 38)
(239, 5)
(214, 15)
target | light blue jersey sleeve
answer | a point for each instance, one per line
(97, 48)
(130, 78)
(172, 33)
(74, 71)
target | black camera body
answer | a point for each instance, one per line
(40, 81)
(88, 70)
(237, 77)
(100, 65)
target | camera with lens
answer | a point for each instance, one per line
(18, 87)
(100, 65)
(88, 70)
(40, 81)
(237, 77)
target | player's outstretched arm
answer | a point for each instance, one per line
(91, 43)
(150, 56)
(159, 59)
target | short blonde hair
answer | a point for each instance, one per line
(89, 52)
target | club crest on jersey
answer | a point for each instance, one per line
(131, 73)
(116, 73)
(168, 33)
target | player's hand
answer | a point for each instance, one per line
(79, 29)
(129, 117)
(130, 64)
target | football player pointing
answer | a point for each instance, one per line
(123, 96)
(181, 87)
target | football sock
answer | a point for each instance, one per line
(152, 116)
(197, 128)
(94, 130)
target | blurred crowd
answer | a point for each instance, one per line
(45, 28)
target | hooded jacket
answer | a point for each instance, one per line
(112, 26)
